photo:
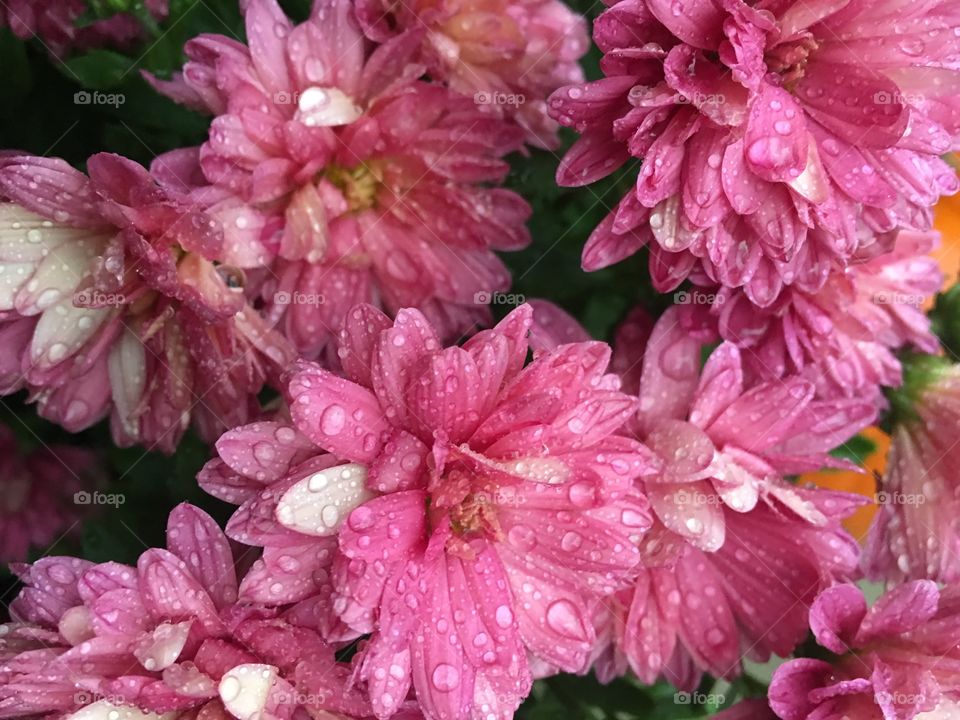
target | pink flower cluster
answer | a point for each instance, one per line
(55, 23)
(431, 517)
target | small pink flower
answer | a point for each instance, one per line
(724, 443)
(37, 502)
(844, 335)
(163, 637)
(915, 534)
(508, 55)
(56, 24)
(330, 163)
(113, 303)
(894, 660)
(777, 141)
(736, 554)
(479, 511)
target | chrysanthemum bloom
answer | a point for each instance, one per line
(737, 554)
(37, 502)
(915, 534)
(844, 335)
(776, 140)
(112, 303)
(361, 182)
(56, 24)
(483, 511)
(164, 638)
(508, 55)
(896, 660)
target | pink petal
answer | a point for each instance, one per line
(836, 615)
(776, 138)
(196, 539)
(671, 367)
(341, 417)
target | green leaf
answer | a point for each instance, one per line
(100, 69)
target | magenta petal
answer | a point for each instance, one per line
(671, 367)
(341, 417)
(776, 139)
(791, 685)
(170, 592)
(196, 538)
(699, 24)
(900, 610)
(836, 615)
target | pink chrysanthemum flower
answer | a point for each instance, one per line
(37, 502)
(361, 182)
(112, 303)
(162, 639)
(776, 139)
(915, 534)
(55, 24)
(508, 55)
(896, 660)
(725, 442)
(737, 554)
(693, 612)
(484, 510)
(843, 336)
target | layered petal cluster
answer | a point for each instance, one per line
(915, 534)
(843, 336)
(737, 554)
(39, 505)
(897, 659)
(354, 181)
(113, 302)
(724, 443)
(478, 512)
(164, 639)
(56, 23)
(777, 140)
(508, 55)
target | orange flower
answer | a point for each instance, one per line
(862, 483)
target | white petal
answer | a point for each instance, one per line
(103, 710)
(63, 329)
(28, 238)
(317, 504)
(244, 689)
(13, 276)
(127, 366)
(326, 107)
(161, 648)
(57, 276)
